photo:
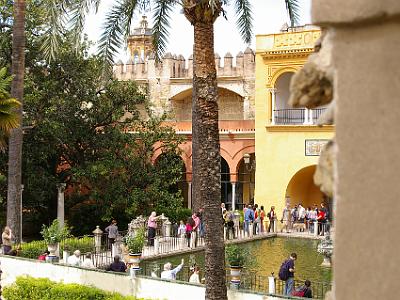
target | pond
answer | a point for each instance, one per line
(269, 254)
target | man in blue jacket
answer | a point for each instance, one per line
(248, 218)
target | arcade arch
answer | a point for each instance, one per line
(230, 104)
(301, 189)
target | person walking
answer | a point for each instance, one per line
(112, 233)
(189, 228)
(286, 217)
(262, 217)
(151, 228)
(195, 229)
(286, 273)
(248, 219)
(272, 217)
(7, 239)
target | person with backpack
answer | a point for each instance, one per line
(286, 273)
(304, 291)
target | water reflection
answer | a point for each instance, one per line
(270, 253)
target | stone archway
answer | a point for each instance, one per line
(230, 104)
(301, 188)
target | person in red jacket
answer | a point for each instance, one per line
(321, 218)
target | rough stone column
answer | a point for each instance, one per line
(365, 36)
(60, 202)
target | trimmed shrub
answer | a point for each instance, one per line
(28, 288)
(35, 248)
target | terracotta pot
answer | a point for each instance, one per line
(134, 260)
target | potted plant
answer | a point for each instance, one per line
(134, 244)
(53, 235)
(236, 258)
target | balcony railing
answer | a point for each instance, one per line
(296, 116)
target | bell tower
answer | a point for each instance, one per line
(140, 42)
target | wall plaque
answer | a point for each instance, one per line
(314, 147)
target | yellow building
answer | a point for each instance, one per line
(288, 142)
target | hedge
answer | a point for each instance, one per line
(28, 288)
(35, 248)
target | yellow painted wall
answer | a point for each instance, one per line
(280, 150)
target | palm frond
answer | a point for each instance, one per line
(244, 22)
(78, 11)
(56, 14)
(5, 80)
(115, 28)
(293, 9)
(161, 26)
(8, 118)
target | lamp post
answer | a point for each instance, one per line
(20, 214)
(60, 203)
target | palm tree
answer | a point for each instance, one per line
(205, 141)
(8, 118)
(15, 142)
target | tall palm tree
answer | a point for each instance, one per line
(15, 142)
(205, 141)
(8, 117)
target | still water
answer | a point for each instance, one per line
(269, 255)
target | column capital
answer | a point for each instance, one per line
(271, 90)
(61, 187)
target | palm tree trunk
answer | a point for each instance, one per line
(15, 143)
(206, 156)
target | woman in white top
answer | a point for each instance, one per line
(194, 278)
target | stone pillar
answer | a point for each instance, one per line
(168, 228)
(273, 99)
(233, 196)
(364, 38)
(316, 228)
(60, 202)
(271, 284)
(189, 195)
(306, 118)
(98, 233)
(310, 114)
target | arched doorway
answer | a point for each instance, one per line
(226, 186)
(181, 185)
(301, 189)
(246, 181)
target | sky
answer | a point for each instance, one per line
(269, 16)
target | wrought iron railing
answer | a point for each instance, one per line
(294, 116)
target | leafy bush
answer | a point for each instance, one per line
(175, 215)
(28, 288)
(135, 243)
(35, 248)
(237, 256)
(55, 233)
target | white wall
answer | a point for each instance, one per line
(141, 287)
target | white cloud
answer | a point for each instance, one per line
(269, 16)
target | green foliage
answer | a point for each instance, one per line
(8, 117)
(28, 288)
(176, 215)
(32, 249)
(135, 243)
(237, 256)
(82, 135)
(35, 248)
(55, 233)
